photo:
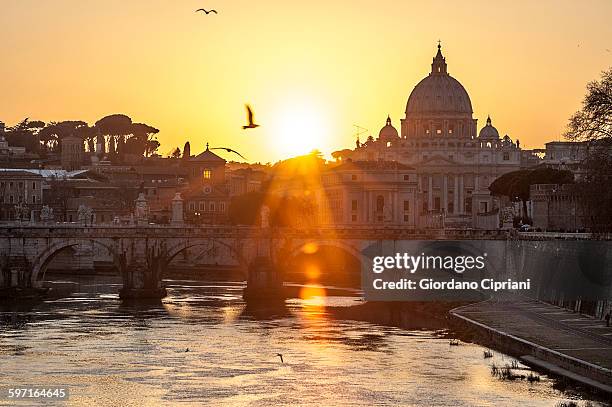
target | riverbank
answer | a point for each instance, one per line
(544, 336)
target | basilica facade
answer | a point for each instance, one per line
(453, 162)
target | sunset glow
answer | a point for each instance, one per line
(299, 128)
(190, 74)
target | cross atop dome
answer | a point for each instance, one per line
(438, 66)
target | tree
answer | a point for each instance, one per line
(593, 124)
(143, 141)
(51, 135)
(115, 128)
(187, 151)
(24, 134)
(516, 184)
(594, 120)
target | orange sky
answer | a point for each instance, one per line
(310, 69)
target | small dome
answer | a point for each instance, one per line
(488, 131)
(388, 133)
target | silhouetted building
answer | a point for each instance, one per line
(369, 192)
(73, 150)
(454, 164)
(20, 191)
(206, 197)
(557, 208)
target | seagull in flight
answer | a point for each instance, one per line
(207, 11)
(229, 150)
(280, 355)
(251, 124)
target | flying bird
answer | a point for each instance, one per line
(207, 11)
(251, 124)
(229, 150)
(280, 355)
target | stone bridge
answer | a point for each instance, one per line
(142, 253)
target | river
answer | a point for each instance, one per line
(200, 347)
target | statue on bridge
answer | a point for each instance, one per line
(264, 213)
(141, 211)
(46, 214)
(177, 209)
(22, 212)
(85, 215)
(388, 213)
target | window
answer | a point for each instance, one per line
(207, 174)
(380, 203)
(33, 185)
(11, 199)
(354, 204)
(33, 199)
(406, 218)
(354, 177)
(192, 206)
(211, 206)
(10, 185)
(354, 218)
(406, 177)
(451, 207)
(221, 206)
(468, 205)
(484, 207)
(202, 205)
(406, 206)
(437, 203)
(21, 185)
(506, 156)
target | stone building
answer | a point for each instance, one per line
(206, 199)
(19, 189)
(369, 192)
(557, 208)
(454, 163)
(72, 153)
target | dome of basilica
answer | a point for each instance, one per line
(388, 133)
(439, 93)
(489, 132)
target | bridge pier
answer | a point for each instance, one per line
(264, 283)
(16, 280)
(142, 277)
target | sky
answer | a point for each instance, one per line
(310, 70)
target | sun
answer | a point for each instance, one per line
(299, 128)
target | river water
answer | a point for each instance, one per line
(200, 347)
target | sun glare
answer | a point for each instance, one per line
(299, 129)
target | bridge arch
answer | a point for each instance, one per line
(187, 244)
(39, 266)
(325, 261)
(338, 244)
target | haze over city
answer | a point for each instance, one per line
(310, 70)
